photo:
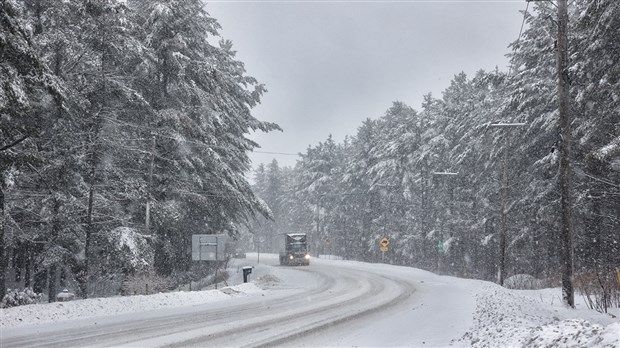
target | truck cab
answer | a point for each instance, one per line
(295, 250)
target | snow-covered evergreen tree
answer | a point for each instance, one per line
(28, 91)
(202, 100)
(154, 114)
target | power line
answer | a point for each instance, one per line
(278, 153)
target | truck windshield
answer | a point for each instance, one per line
(297, 246)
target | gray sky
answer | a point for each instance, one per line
(328, 65)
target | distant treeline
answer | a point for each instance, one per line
(431, 180)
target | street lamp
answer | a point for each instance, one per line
(503, 231)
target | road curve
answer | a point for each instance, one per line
(332, 294)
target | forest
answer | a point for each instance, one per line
(124, 130)
(431, 180)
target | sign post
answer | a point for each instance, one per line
(257, 243)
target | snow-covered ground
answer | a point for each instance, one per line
(481, 314)
(537, 318)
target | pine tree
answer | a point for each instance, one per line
(595, 80)
(202, 100)
(27, 89)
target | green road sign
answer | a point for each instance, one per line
(440, 247)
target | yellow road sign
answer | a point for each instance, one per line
(385, 242)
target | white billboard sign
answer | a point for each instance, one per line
(209, 247)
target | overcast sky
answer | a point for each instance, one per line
(328, 65)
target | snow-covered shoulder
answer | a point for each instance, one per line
(100, 307)
(537, 318)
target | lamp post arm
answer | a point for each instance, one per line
(506, 125)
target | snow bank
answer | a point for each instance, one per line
(95, 307)
(537, 318)
(574, 333)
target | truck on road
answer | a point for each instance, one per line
(295, 250)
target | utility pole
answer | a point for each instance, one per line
(501, 272)
(566, 208)
(318, 221)
(565, 171)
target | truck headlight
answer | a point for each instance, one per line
(290, 257)
(307, 257)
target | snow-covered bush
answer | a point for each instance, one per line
(132, 250)
(16, 297)
(523, 282)
(104, 285)
(144, 284)
(601, 290)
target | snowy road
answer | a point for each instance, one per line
(308, 300)
(317, 305)
(329, 303)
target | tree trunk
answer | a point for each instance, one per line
(28, 266)
(94, 163)
(38, 23)
(149, 195)
(89, 228)
(566, 228)
(4, 262)
(51, 288)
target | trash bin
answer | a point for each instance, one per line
(246, 272)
